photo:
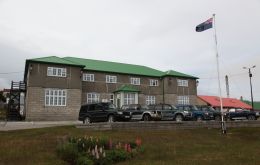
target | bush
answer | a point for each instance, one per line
(96, 151)
(84, 160)
(118, 155)
(68, 152)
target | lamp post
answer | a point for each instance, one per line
(250, 76)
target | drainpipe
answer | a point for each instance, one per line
(163, 90)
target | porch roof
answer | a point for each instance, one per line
(126, 88)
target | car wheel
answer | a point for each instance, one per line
(218, 118)
(110, 119)
(86, 120)
(199, 118)
(179, 118)
(146, 117)
(251, 117)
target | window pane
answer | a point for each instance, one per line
(59, 72)
(49, 71)
(55, 97)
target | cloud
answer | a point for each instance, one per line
(132, 31)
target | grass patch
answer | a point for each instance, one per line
(3, 113)
(191, 147)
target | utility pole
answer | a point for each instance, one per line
(250, 76)
(227, 85)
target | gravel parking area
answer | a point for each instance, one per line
(14, 125)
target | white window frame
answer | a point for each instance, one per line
(55, 97)
(182, 83)
(135, 81)
(111, 79)
(56, 72)
(150, 100)
(129, 98)
(154, 82)
(183, 100)
(88, 77)
(93, 97)
(111, 99)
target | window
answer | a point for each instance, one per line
(135, 81)
(57, 72)
(183, 100)
(153, 82)
(182, 83)
(55, 97)
(112, 98)
(92, 97)
(129, 98)
(88, 77)
(150, 100)
(110, 79)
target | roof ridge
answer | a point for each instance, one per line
(113, 62)
(42, 57)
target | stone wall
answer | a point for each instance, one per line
(36, 109)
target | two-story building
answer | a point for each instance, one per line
(57, 87)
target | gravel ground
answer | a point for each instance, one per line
(14, 125)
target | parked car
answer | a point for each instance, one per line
(98, 112)
(205, 108)
(196, 113)
(240, 114)
(170, 112)
(139, 112)
(257, 113)
(167, 111)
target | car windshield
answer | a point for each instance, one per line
(195, 108)
(111, 106)
(212, 109)
(174, 108)
(145, 107)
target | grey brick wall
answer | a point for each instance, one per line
(36, 109)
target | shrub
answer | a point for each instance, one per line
(96, 151)
(68, 152)
(118, 155)
(84, 160)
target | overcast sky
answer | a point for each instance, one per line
(155, 33)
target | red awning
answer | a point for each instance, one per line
(227, 102)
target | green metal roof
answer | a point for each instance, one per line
(127, 88)
(53, 59)
(177, 74)
(105, 66)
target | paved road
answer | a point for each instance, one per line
(14, 125)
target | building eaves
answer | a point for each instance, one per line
(50, 60)
(177, 74)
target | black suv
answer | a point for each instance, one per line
(196, 113)
(98, 112)
(205, 108)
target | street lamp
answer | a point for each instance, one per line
(250, 76)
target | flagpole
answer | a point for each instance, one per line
(223, 124)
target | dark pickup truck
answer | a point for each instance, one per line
(170, 112)
(138, 112)
(240, 114)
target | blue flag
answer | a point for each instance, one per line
(205, 25)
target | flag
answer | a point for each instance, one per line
(205, 25)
